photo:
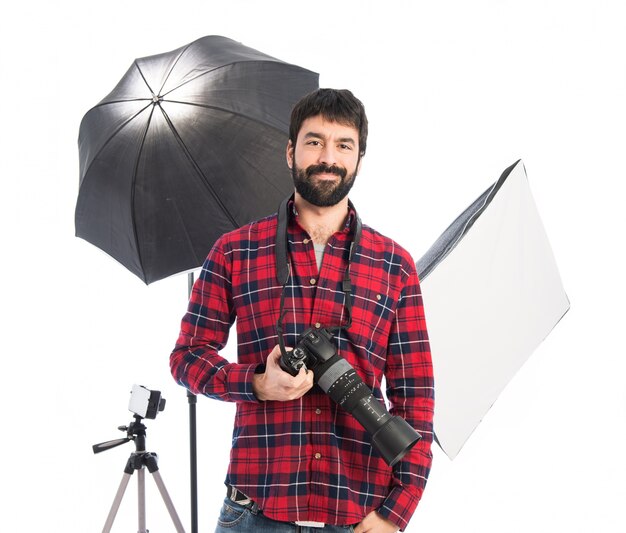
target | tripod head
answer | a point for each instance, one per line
(135, 431)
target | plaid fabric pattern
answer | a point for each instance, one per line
(308, 459)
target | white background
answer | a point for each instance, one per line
(455, 91)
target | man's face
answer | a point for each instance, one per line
(325, 161)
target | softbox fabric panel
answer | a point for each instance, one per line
(492, 293)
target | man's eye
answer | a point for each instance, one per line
(345, 147)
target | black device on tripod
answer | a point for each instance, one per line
(145, 404)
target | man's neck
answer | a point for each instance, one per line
(321, 222)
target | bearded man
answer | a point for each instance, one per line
(299, 462)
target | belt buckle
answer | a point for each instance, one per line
(239, 497)
(305, 523)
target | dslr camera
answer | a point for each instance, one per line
(391, 435)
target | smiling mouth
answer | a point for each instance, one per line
(326, 176)
(325, 172)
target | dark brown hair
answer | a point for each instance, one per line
(335, 105)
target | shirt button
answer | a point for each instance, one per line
(318, 411)
(318, 325)
(318, 455)
(378, 296)
(306, 241)
(312, 281)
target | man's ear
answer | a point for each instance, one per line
(289, 153)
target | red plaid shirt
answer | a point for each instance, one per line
(308, 459)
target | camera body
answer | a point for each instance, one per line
(314, 348)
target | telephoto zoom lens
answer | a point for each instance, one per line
(391, 435)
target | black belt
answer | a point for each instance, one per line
(235, 495)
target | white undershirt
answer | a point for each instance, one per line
(319, 254)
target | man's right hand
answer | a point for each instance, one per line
(276, 384)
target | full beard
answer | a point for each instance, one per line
(322, 193)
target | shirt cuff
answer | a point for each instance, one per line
(399, 506)
(239, 383)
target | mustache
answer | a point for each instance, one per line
(326, 169)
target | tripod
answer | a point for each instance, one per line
(138, 460)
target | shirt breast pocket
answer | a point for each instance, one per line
(372, 314)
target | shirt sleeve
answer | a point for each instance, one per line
(195, 362)
(410, 391)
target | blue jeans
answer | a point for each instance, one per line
(235, 518)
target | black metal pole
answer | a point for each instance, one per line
(193, 448)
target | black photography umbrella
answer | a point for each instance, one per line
(189, 145)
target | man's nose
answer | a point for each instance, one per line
(328, 155)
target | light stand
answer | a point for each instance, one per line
(193, 439)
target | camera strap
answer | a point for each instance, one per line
(283, 265)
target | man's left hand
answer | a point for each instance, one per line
(374, 523)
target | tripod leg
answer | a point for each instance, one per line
(141, 500)
(116, 502)
(168, 501)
